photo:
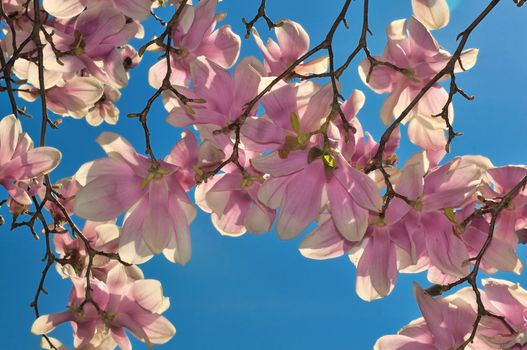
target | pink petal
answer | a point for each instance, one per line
(411, 181)
(246, 81)
(274, 165)
(449, 323)
(272, 191)
(350, 219)
(46, 323)
(293, 40)
(377, 268)
(148, 294)
(442, 239)
(182, 213)
(318, 108)
(221, 47)
(401, 342)
(36, 162)
(259, 219)
(132, 247)
(360, 187)
(120, 337)
(157, 226)
(324, 242)
(63, 8)
(294, 215)
(420, 37)
(108, 196)
(424, 137)
(468, 59)
(137, 9)
(10, 130)
(316, 66)
(263, 131)
(185, 155)
(213, 83)
(434, 14)
(204, 18)
(118, 148)
(380, 79)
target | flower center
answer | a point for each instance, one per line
(154, 173)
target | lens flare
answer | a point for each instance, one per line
(453, 4)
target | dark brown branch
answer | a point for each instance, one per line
(260, 14)
(166, 84)
(447, 70)
(494, 209)
(236, 125)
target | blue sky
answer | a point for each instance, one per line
(257, 292)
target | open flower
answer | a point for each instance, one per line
(293, 43)
(122, 304)
(306, 173)
(158, 211)
(194, 35)
(445, 324)
(19, 161)
(413, 49)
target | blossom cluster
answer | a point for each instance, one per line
(447, 321)
(266, 148)
(85, 53)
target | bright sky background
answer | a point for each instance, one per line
(257, 292)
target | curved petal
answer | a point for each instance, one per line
(274, 165)
(302, 201)
(221, 47)
(401, 342)
(108, 196)
(377, 268)
(350, 219)
(10, 130)
(324, 242)
(360, 187)
(46, 323)
(434, 14)
(38, 161)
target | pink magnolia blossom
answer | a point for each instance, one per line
(102, 236)
(293, 43)
(378, 256)
(434, 193)
(300, 161)
(232, 200)
(224, 95)
(509, 300)
(512, 218)
(445, 324)
(500, 255)
(20, 161)
(434, 14)
(158, 211)
(412, 48)
(73, 98)
(65, 191)
(123, 304)
(137, 9)
(31, 188)
(105, 109)
(194, 36)
(93, 38)
(448, 322)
